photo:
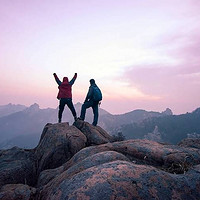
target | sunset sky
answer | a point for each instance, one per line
(143, 54)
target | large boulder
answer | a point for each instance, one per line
(123, 180)
(80, 165)
(17, 166)
(170, 157)
(95, 134)
(17, 192)
(58, 143)
(98, 172)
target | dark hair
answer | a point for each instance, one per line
(92, 81)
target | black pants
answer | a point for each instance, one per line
(94, 105)
(70, 105)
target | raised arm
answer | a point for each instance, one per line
(57, 79)
(73, 79)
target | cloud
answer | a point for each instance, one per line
(176, 84)
(171, 84)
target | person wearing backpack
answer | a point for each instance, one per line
(93, 98)
(65, 95)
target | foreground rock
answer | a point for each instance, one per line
(124, 180)
(124, 170)
(80, 162)
(171, 158)
(17, 192)
(58, 143)
(80, 165)
(17, 166)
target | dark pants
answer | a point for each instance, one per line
(94, 105)
(70, 105)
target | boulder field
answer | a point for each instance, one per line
(81, 162)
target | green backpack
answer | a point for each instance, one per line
(97, 95)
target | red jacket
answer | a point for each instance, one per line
(65, 87)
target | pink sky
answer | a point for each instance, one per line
(143, 54)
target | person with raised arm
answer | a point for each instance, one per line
(65, 95)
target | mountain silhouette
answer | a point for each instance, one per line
(170, 128)
(10, 109)
(23, 128)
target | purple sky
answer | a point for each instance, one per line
(142, 54)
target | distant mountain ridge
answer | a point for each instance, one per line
(113, 123)
(10, 109)
(23, 128)
(26, 125)
(23, 124)
(170, 128)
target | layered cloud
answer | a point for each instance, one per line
(176, 84)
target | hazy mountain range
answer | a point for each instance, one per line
(168, 129)
(22, 126)
(10, 109)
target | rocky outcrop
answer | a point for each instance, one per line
(59, 142)
(95, 134)
(168, 111)
(81, 162)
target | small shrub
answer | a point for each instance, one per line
(118, 137)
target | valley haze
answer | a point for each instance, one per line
(22, 126)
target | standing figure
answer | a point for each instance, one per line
(65, 95)
(93, 98)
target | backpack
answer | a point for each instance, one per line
(97, 95)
